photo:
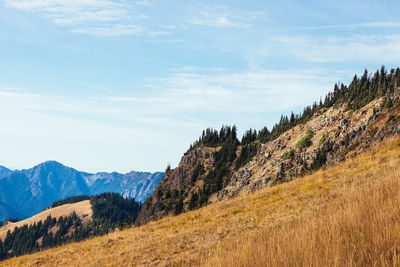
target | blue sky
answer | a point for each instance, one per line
(104, 85)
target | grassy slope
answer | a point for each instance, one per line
(80, 208)
(346, 215)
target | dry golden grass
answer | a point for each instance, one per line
(360, 229)
(348, 215)
(80, 208)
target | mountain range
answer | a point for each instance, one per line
(24, 193)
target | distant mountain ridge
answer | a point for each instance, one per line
(24, 193)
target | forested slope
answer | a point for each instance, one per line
(69, 220)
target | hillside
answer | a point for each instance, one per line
(339, 216)
(24, 193)
(83, 210)
(218, 166)
(68, 220)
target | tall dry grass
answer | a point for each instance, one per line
(361, 229)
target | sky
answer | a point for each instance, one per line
(117, 85)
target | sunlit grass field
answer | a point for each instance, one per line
(347, 215)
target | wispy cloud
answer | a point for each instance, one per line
(75, 12)
(113, 30)
(220, 17)
(377, 24)
(183, 95)
(96, 87)
(13, 94)
(93, 17)
(266, 90)
(145, 2)
(381, 49)
(10, 88)
(171, 41)
(107, 18)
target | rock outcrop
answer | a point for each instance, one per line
(173, 193)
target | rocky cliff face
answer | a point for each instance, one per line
(329, 137)
(336, 134)
(173, 193)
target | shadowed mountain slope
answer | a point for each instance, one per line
(24, 193)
